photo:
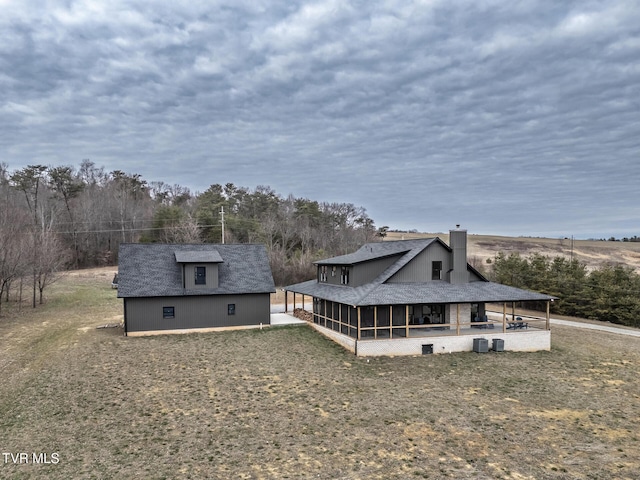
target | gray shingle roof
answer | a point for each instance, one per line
(415, 293)
(151, 270)
(371, 251)
(378, 292)
(191, 256)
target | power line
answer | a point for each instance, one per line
(138, 229)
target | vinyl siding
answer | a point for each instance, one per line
(145, 314)
(419, 269)
(366, 272)
(189, 271)
(359, 274)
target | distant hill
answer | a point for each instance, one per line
(593, 253)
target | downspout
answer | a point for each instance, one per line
(125, 317)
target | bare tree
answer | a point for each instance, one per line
(188, 230)
(51, 261)
(13, 251)
(66, 186)
(30, 181)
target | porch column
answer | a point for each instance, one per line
(325, 313)
(359, 318)
(375, 321)
(294, 301)
(286, 303)
(390, 321)
(548, 317)
(406, 319)
(504, 317)
(457, 319)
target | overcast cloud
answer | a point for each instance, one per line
(508, 117)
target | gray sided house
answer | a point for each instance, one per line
(418, 296)
(181, 288)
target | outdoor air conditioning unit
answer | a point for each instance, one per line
(498, 345)
(480, 345)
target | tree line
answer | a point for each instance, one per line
(609, 293)
(56, 218)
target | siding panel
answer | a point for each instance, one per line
(366, 272)
(190, 275)
(145, 314)
(419, 269)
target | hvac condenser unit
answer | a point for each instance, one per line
(480, 345)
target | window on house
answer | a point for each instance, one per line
(323, 273)
(436, 270)
(168, 312)
(201, 275)
(344, 276)
(231, 309)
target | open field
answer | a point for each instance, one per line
(288, 403)
(593, 253)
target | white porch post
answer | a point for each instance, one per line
(504, 317)
(457, 319)
(406, 319)
(375, 322)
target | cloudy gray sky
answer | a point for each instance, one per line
(508, 117)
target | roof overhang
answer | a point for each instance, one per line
(208, 256)
(418, 293)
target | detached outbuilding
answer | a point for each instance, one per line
(203, 287)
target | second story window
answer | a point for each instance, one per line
(344, 276)
(323, 273)
(201, 275)
(436, 270)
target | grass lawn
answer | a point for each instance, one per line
(288, 403)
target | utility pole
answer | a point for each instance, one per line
(222, 220)
(571, 248)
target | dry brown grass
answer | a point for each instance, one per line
(287, 403)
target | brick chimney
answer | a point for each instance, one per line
(458, 243)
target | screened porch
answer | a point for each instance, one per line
(420, 320)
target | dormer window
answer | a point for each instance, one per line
(323, 273)
(344, 276)
(201, 275)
